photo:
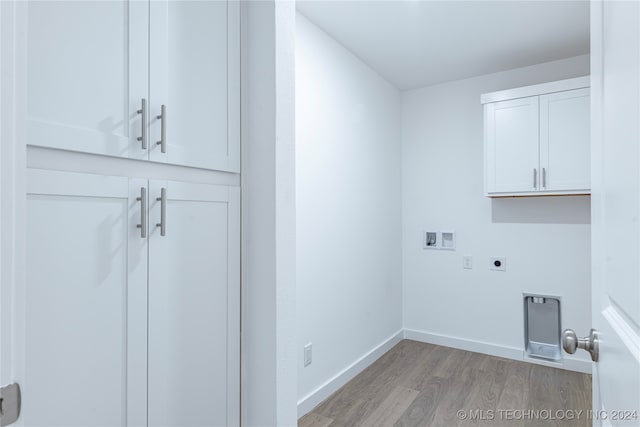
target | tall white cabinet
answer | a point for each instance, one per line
(194, 305)
(130, 312)
(83, 309)
(154, 80)
(87, 72)
(537, 140)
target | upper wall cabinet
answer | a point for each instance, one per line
(512, 145)
(537, 140)
(155, 80)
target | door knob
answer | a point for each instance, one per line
(571, 342)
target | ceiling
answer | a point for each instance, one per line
(415, 43)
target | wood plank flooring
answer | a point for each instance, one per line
(418, 385)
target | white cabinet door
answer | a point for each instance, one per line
(512, 146)
(194, 306)
(86, 75)
(81, 318)
(564, 141)
(195, 74)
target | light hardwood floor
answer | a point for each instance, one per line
(417, 384)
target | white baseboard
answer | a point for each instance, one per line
(464, 344)
(310, 401)
(570, 364)
(313, 399)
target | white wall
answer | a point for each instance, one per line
(268, 215)
(349, 297)
(546, 240)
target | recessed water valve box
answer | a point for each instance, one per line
(430, 240)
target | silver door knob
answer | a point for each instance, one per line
(571, 342)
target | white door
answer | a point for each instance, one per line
(615, 69)
(87, 75)
(80, 320)
(565, 154)
(194, 305)
(195, 75)
(512, 145)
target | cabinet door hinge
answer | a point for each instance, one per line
(9, 404)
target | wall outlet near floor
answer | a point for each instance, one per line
(498, 264)
(308, 354)
(467, 262)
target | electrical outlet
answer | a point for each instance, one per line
(308, 354)
(498, 264)
(467, 262)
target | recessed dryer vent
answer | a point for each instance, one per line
(542, 327)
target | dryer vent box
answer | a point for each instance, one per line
(542, 327)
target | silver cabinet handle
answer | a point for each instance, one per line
(143, 212)
(544, 178)
(163, 129)
(571, 342)
(535, 178)
(163, 212)
(143, 111)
